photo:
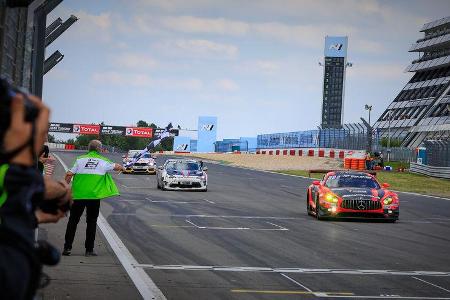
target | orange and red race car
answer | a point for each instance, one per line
(349, 194)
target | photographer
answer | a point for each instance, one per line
(25, 199)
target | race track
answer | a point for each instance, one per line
(249, 237)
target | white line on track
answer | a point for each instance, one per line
(435, 285)
(209, 201)
(296, 282)
(172, 201)
(296, 270)
(216, 216)
(145, 285)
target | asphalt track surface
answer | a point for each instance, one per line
(249, 237)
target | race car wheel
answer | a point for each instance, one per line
(157, 184)
(318, 217)
(163, 186)
(308, 207)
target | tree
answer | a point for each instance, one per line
(51, 138)
(141, 123)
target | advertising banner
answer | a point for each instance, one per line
(182, 144)
(60, 127)
(336, 46)
(144, 132)
(112, 130)
(207, 134)
(86, 129)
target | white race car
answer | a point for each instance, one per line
(182, 174)
(146, 164)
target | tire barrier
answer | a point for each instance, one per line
(329, 153)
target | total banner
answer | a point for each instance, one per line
(86, 129)
(143, 132)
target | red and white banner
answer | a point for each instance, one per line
(143, 132)
(86, 129)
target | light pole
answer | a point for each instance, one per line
(389, 135)
(369, 108)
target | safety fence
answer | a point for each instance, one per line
(397, 154)
(352, 136)
(438, 153)
(440, 172)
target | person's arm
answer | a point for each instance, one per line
(118, 167)
(68, 177)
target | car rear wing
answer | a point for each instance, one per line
(324, 171)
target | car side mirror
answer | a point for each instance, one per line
(205, 169)
(385, 185)
(316, 182)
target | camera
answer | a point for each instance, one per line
(7, 92)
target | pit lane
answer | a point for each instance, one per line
(249, 237)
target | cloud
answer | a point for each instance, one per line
(376, 71)
(142, 80)
(92, 26)
(260, 66)
(197, 48)
(227, 85)
(189, 24)
(361, 45)
(134, 61)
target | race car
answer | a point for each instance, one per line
(182, 174)
(145, 165)
(348, 194)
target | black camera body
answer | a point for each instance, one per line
(7, 92)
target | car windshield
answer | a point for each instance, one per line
(183, 166)
(350, 180)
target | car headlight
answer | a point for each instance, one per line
(388, 200)
(329, 197)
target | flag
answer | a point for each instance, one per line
(162, 136)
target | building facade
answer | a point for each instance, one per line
(335, 63)
(15, 64)
(421, 111)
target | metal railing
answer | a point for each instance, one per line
(440, 172)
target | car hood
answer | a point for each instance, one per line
(358, 193)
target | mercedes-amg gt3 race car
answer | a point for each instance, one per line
(346, 194)
(182, 174)
(145, 165)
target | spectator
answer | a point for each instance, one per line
(91, 183)
(23, 196)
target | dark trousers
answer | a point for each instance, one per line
(76, 211)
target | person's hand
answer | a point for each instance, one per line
(43, 217)
(58, 191)
(19, 131)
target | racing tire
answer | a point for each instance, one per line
(308, 207)
(163, 186)
(157, 184)
(318, 216)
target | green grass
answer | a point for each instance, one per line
(400, 181)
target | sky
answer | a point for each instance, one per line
(252, 63)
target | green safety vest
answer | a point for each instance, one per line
(92, 180)
(3, 193)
